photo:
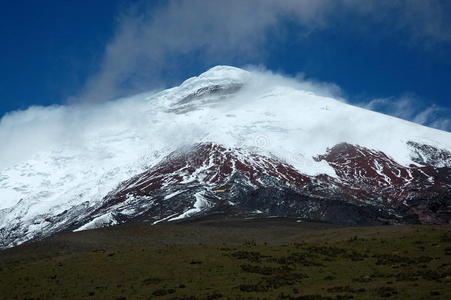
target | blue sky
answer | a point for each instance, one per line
(390, 56)
(49, 48)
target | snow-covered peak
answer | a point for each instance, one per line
(96, 148)
(220, 74)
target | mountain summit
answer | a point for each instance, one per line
(230, 141)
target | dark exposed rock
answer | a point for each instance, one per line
(370, 188)
(429, 156)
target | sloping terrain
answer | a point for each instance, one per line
(369, 188)
(228, 140)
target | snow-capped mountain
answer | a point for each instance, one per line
(230, 140)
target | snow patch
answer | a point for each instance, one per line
(200, 204)
(101, 221)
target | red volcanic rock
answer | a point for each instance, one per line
(374, 175)
(212, 166)
(365, 178)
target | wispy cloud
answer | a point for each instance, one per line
(412, 108)
(154, 46)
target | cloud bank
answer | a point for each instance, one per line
(131, 125)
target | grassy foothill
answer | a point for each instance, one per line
(254, 259)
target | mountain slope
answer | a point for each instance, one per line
(271, 145)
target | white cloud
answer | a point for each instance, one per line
(40, 129)
(81, 127)
(151, 46)
(414, 109)
(300, 81)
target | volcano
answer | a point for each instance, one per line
(236, 142)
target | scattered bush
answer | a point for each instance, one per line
(251, 256)
(260, 287)
(385, 291)
(151, 280)
(163, 292)
(264, 270)
(214, 296)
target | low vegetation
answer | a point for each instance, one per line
(269, 261)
